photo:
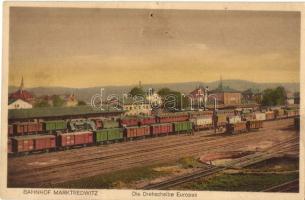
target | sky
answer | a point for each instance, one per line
(87, 47)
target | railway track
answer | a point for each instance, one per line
(130, 161)
(251, 159)
(290, 186)
(55, 179)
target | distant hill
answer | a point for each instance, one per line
(86, 93)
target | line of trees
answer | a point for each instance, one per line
(274, 97)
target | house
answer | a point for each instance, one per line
(21, 94)
(297, 98)
(71, 100)
(226, 95)
(139, 107)
(252, 95)
(19, 104)
(153, 98)
(198, 95)
(290, 98)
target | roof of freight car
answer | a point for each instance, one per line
(172, 114)
(160, 124)
(29, 137)
(55, 112)
(129, 127)
(77, 133)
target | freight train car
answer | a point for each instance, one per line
(183, 127)
(280, 113)
(161, 129)
(146, 120)
(10, 130)
(54, 125)
(25, 128)
(260, 116)
(254, 125)
(194, 114)
(129, 121)
(202, 122)
(174, 117)
(270, 115)
(291, 112)
(9, 146)
(31, 143)
(66, 140)
(233, 119)
(136, 132)
(108, 135)
(108, 124)
(297, 123)
(238, 127)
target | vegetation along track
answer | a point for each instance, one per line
(290, 186)
(250, 159)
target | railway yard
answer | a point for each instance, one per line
(179, 161)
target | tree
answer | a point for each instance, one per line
(81, 103)
(137, 91)
(273, 97)
(280, 95)
(42, 103)
(173, 100)
(58, 101)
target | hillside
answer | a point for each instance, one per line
(87, 93)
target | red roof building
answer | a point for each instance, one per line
(21, 94)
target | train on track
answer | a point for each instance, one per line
(51, 135)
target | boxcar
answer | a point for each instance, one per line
(111, 134)
(101, 135)
(270, 115)
(161, 129)
(75, 138)
(202, 122)
(183, 127)
(54, 125)
(279, 113)
(33, 143)
(297, 123)
(9, 146)
(260, 116)
(254, 124)
(238, 127)
(10, 130)
(98, 122)
(23, 128)
(129, 121)
(175, 117)
(147, 120)
(194, 114)
(137, 131)
(291, 113)
(234, 119)
(221, 120)
(110, 124)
